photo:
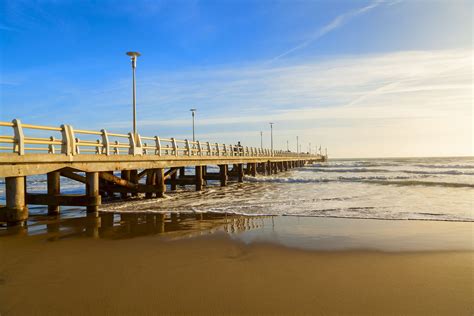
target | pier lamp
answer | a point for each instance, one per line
(261, 139)
(133, 57)
(271, 135)
(287, 145)
(193, 111)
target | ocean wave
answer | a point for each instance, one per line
(347, 170)
(286, 180)
(445, 166)
(363, 170)
(397, 180)
(422, 183)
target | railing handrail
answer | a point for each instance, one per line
(71, 144)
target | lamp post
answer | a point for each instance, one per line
(287, 145)
(133, 57)
(271, 135)
(297, 145)
(261, 140)
(193, 111)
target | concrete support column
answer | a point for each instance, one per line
(173, 181)
(268, 168)
(125, 174)
(150, 180)
(16, 211)
(223, 169)
(134, 179)
(204, 172)
(240, 172)
(92, 188)
(253, 169)
(53, 189)
(160, 182)
(199, 177)
(182, 174)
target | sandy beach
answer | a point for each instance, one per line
(220, 272)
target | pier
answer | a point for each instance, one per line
(111, 165)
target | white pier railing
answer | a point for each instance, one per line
(27, 138)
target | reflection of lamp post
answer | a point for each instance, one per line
(133, 57)
(261, 139)
(271, 135)
(193, 111)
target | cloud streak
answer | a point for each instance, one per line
(336, 23)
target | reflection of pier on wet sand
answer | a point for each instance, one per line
(108, 225)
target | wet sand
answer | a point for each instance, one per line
(56, 272)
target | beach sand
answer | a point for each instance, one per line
(219, 274)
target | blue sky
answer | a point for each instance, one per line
(363, 78)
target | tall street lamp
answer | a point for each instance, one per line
(271, 135)
(297, 145)
(261, 140)
(133, 57)
(193, 111)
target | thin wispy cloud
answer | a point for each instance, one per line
(336, 23)
(4, 27)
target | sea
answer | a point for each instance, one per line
(430, 189)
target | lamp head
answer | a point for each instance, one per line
(133, 54)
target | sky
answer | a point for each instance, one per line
(361, 78)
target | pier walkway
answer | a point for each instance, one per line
(112, 164)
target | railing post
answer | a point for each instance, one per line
(139, 147)
(188, 148)
(224, 147)
(68, 146)
(132, 146)
(158, 146)
(145, 151)
(98, 147)
(199, 148)
(77, 150)
(135, 148)
(19, 137)
(51, 149)
(209, 149)
(217, 148)
(116, 149)
(105, 142)
(175, 146)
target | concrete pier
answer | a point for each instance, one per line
(92, 189)
(223, 170)
(199, 177)
(53, 179)
(16, 211)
